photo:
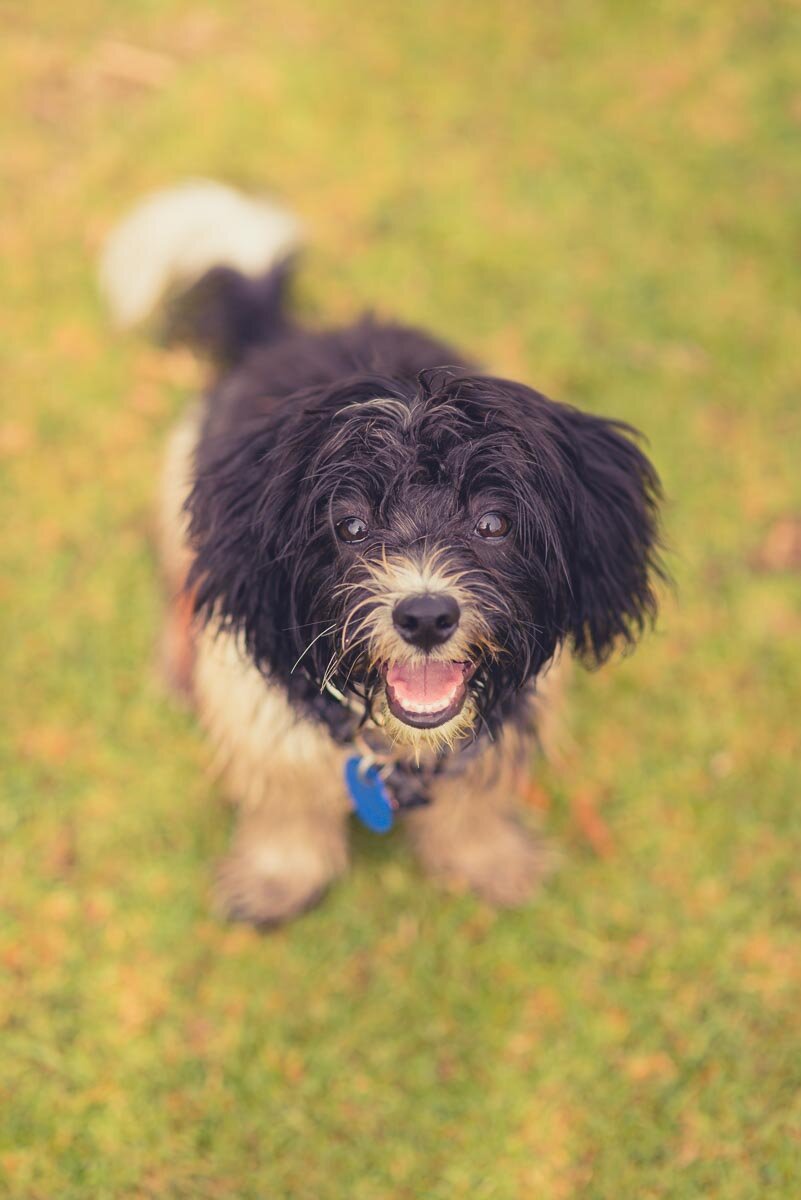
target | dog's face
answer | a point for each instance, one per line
(419, 618)
(426, 551)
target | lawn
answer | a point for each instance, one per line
(601, 199)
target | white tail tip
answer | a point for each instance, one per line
(174, 236)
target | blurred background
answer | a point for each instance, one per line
(602, 200)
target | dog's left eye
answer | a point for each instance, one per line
(493, 525)
(352, 529)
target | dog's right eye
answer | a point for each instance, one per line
(352, 529)
(493, 525)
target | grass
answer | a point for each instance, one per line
(601, 199)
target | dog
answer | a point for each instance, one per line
(375, 555)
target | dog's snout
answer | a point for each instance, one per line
(426, 621)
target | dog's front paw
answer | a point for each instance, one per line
(502, 863)
(271, 882)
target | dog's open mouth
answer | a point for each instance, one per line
(427, 693)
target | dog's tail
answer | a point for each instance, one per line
(211, 261)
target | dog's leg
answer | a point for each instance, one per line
(278, 868)
(177, 648)
(471, 836)
(285, 776)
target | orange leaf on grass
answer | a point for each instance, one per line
(536, 797)
(590, 825)
(780, 548)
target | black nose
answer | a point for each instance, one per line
(426, 621)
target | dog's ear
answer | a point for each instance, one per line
(241, 527)
(613, 560)
(587, 502)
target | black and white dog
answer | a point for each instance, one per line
(374, 552)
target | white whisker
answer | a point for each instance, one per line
(322, 633)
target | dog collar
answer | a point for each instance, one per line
(379, 787)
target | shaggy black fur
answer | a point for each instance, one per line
(288, 449)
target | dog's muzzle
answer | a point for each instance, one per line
(426, 692)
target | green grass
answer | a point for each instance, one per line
(600, 198)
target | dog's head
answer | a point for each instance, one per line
(425, 549)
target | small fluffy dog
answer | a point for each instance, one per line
(374, 553)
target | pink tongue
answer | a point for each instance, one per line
(425, 683)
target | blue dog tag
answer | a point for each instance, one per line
(371, 801)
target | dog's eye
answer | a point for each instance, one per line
(493, 525)
(352, 529)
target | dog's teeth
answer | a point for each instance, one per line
(416, 707)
